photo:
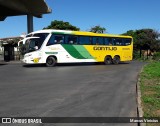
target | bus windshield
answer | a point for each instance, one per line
(34, 42)
(42, 36)
(32, 45)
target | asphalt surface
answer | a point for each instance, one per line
(74, 90)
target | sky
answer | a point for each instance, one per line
(117, 16)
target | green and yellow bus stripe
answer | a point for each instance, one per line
(77, 51)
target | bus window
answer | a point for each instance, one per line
(95, 41)
(56, 39)
(84, 40)
(108, 41)
(32, 45)
(101, 40)
(98, 40)
(42, 36)
(127, 41)
(71, 39)
(91, 40)
(118, 41)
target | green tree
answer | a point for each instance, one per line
(145, 37)
(98, 29)
(61, 25)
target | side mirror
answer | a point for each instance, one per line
(22, 50)
(36, 47)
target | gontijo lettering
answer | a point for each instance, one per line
(105, 48)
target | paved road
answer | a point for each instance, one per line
(82, 90)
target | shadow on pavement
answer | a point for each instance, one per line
(34, 65)
(1, 64)
(72, 64)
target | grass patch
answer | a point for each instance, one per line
(150, 90)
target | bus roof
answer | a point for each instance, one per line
(54, 31)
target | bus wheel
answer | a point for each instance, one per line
(108, 60)
(116, 59)
(51, 61)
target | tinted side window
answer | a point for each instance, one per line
(56, 39)
(108, 41)
(71, 39)
(42, 36)
(95, 41)
(118, 41)
(98, 40)
(101, 40)
(84, 40)
(127, 41)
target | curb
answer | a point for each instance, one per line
(140, 112)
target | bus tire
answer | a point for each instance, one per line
(51, 61)
(108, 60)
(116, 60)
